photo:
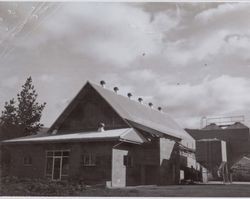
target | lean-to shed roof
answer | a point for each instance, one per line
(126, 135)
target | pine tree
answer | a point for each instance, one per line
(9, 114)
(26, 114)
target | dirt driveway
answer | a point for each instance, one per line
(31, 188)
(208, 190)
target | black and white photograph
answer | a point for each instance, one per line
(125, 99)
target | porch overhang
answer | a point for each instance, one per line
(126, 135)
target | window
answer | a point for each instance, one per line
(57, 163)
(57, 153)
(127, 161)
(27, 161)
(65, 166)
(89, 159)
(49, 166)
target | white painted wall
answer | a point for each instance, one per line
(118, 169)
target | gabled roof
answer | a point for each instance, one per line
(242, 163)
(135, 113)
(125, 135)
(237, 125)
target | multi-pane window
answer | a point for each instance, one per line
(49, 166)
(89, 159)
(127, 161)
(57, 163)
(27, 161)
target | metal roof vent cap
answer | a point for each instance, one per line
(102, 82)
(159, 109)
(140, 100)
(116, 89)
(150, 104)
(129, 95)
(101, 127)
(54, 132)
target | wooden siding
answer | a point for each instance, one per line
(100, 173)
(89, 112)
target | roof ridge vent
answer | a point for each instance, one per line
(140, 100)
(159, 109)
(54, 132)
(130, 95)
(116, 89)
(101, 127)
(102, 82)
(150, 104)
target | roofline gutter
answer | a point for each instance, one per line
(118, 138)
(130, 141)
(59, 141)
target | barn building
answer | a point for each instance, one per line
(106, 138)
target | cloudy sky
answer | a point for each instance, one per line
(190, 58)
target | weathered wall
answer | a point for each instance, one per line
(150, 166)
(145, 166)
(101, 173)
(92, 174)
(17, 168)
(154, 163)
(169, 172)
(89, 112)
(119, 172)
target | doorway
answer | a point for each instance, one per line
(57, 168)
(57, 165)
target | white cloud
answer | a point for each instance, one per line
(142, 75)
(224, 9)
(224, 94)
(202, 47)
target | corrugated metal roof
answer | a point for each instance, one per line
(127, 134)
(132, 110)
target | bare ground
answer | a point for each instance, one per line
(208, 190)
